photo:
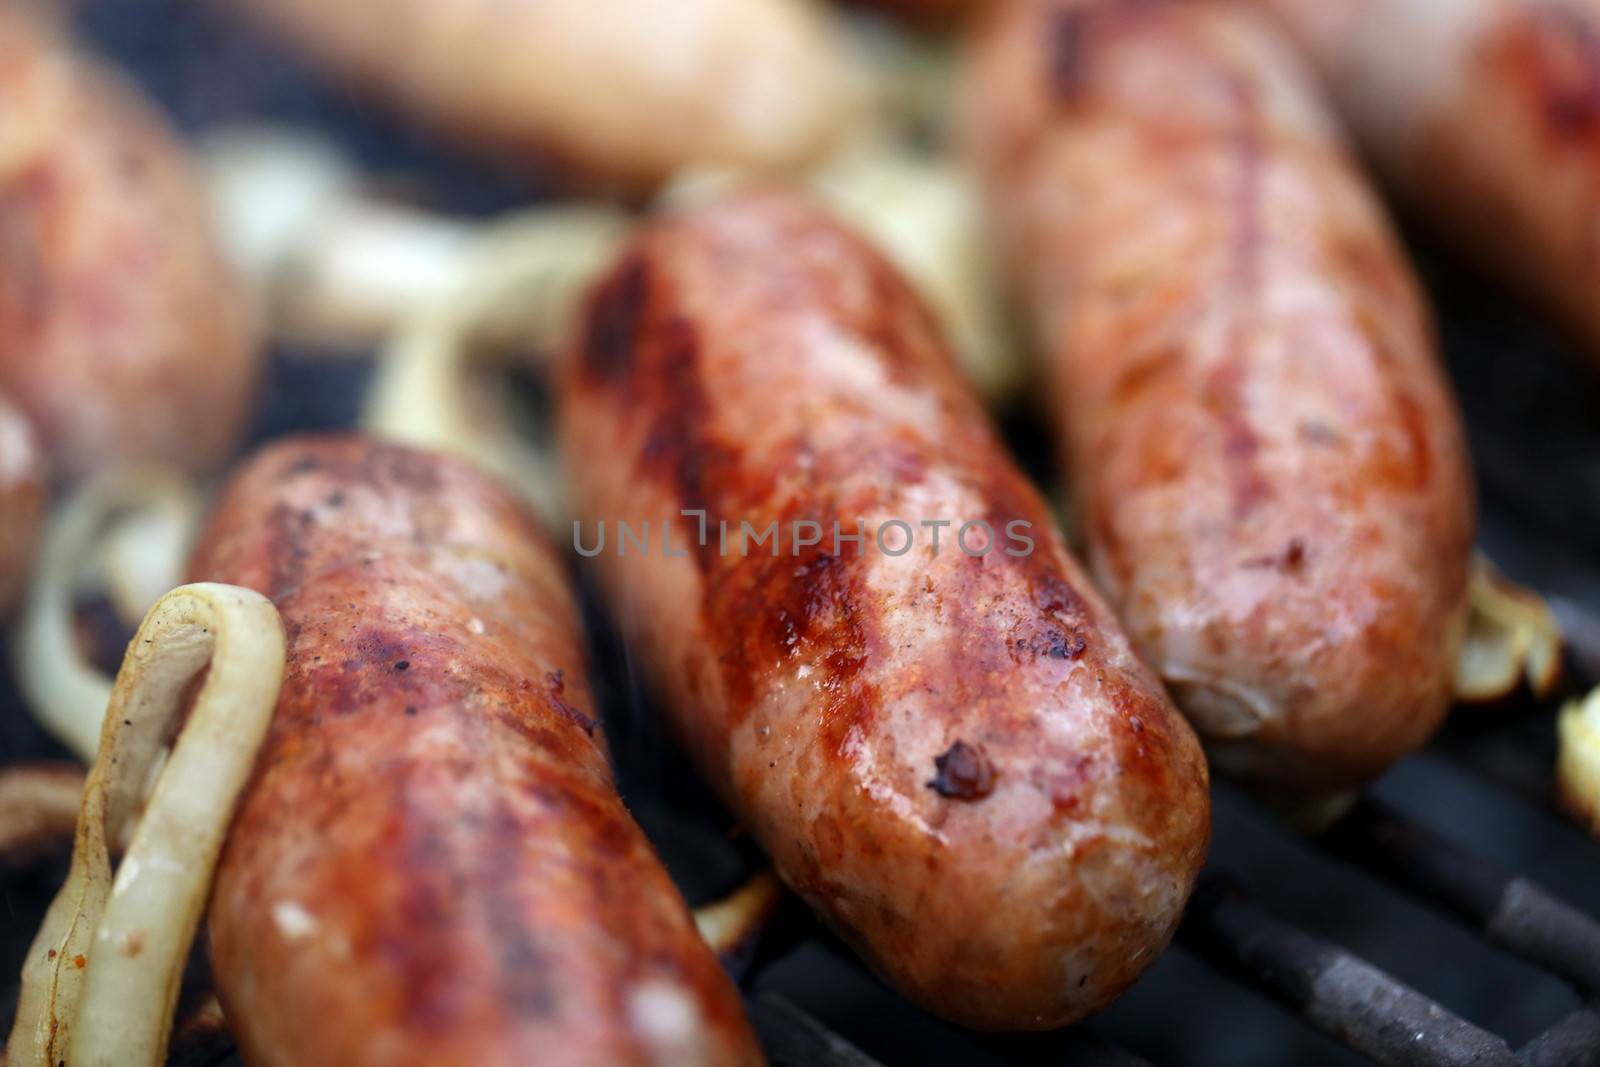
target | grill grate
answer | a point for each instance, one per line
(1330, 988)
(1538, 453)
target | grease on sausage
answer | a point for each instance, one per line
(955, 759)
(1271, 469)
(431, 864)
(1485, 116)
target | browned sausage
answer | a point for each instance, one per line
(431, 864)
(122, 335)
(1485, 116)
(1272, 472)
(22, 497)
(956, 759)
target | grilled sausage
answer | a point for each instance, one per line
(431, 864)
(1485, 116)
(626, 91)
(22, 497)
(122, 336)
(1272, 473)
(955, 758)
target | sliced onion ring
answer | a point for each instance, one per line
(101, 979)
(66, 694)
(516, 295)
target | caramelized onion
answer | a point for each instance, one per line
(734, 923)
(1578, 760)
(1512, 640)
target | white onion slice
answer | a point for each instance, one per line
(66, 694)
(101, 979)
(517, 295)
(734, 922)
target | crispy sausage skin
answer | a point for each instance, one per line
(431, 864)
(1484, 115)
(955, 759)
(22, 501)
(624, 91)
(1272, 473)
(122, 335)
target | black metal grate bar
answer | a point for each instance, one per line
(1076, 1046)
(791, 1038)
(1509, 911)
(1332, 989)
(1572, 1042)
(1516, 759)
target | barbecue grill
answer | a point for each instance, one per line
(1447, 918)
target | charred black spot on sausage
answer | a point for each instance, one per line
(679, 446)
(525, 969)
(1291, 559)
(616, 314)
(964, 772)
(1558, 50)
(803, 608)
(1054, 595)
(556, 687)
(1295, 554)
(1066, 53)
(1053, 641)
(1067, 41)
(1313, 432)
(1067, 646)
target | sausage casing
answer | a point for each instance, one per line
(626, 91)
(956, 759)
(1271, 470)
(22, 501)
(1483, 115)
(122, 334)
(431, 864)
